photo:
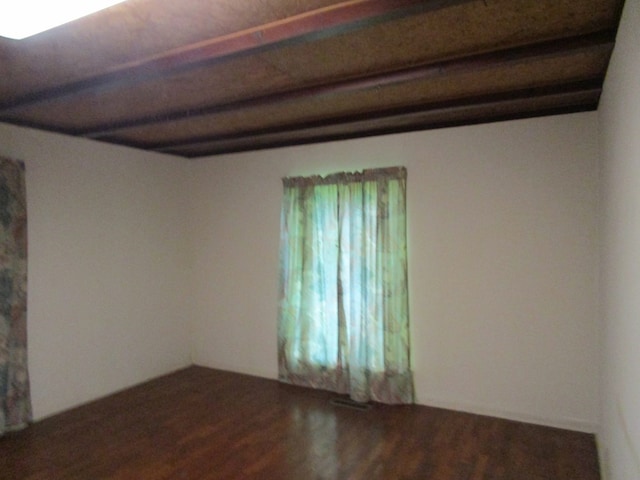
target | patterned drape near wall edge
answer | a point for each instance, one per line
(15, 402)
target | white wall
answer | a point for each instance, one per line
(619, 118)
(503, 247)
(138, 260)
(107, 276)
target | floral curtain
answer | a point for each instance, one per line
(343, 313)
(15, 403)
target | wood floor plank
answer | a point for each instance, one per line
(201, 423)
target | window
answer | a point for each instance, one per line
(343, 315)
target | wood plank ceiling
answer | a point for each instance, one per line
(203, 77)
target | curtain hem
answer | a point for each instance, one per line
(381, 387)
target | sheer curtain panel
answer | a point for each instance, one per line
(15, 403)
(343, 313)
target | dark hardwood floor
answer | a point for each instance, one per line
(200, 423)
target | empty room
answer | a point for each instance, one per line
(319, 239)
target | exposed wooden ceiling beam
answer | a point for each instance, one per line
(262, 144)
(603, 41)
(321, 23)
(251, 144)
(570, 95)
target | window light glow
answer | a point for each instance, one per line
(23, 18)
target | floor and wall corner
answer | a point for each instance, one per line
(523, 255)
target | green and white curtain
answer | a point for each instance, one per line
(344, 312)
(15, 404)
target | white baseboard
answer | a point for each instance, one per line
(564, 423)
(254, 372)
